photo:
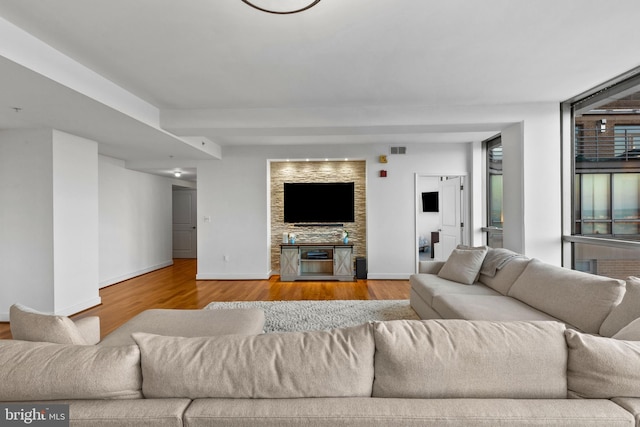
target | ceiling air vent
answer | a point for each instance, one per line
(398, 150)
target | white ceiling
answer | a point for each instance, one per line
(341, 72)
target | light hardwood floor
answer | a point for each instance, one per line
(176, 287)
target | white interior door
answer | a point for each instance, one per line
(451, 226)
(185, 243)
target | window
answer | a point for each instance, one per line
(495, 215)
(605, 170)
(593, 200)
(626, 137)
(626, 204)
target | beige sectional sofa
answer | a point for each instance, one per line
(395, 373)
(506, 286)
(521, 362)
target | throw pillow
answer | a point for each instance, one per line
(625, 312)
(463, 265)
(46, 371)
(30, 325)
(601, 367)
(631, 332)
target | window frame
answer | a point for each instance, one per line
(627, 82)
(489, 229)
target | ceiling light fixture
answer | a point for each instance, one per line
(177, 174)
(287, 12)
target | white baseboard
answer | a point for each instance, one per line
(244, 276)
(266, 276)
(77, 308)
(388, 276)
(128, 276)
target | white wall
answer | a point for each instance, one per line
(26, 226)
(72, 221)
(542, 186)
(233, 193)
(532, 192)
(134, 222)
(75, 223)
(48, 221)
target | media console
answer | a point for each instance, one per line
(316, 261)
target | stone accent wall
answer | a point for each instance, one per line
(318, 171)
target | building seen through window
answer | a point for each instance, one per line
(606, 191)
(495, 216)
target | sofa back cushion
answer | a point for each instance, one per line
(580, 299)
(624, 313)
(46, 371)
(506, 275)
(337, 363)
(30, 325)
(631, 332)
(601, 367)
(470, 359)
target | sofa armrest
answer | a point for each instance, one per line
(89, 328)
(430, 267)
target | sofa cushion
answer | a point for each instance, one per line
(624, 313)
(189, 323)
(427, 286)
(580, 299)
(127, 413)
(506, 275)
(372, 412)
(463, 265)
(601, 367)
(631, 332)
(430, 267)
(631, 404)
(423, 309)
(46, 371)
(486, 307)
(335, 363)
(470, 359)
(30, 325)
(89, 328)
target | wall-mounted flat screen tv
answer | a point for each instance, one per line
(319, 202)
(430, 201)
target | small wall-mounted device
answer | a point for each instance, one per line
(382, 158)
(383, 173)
(603, 125)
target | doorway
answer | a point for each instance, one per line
(439, 216)
(185, 235)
